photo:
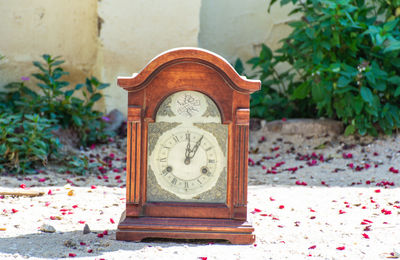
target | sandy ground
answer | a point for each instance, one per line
(309, 197)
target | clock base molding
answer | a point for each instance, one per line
(139, 228)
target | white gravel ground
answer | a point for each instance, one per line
(329, 208)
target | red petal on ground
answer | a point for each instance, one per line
(365, 236)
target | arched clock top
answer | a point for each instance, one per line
(189, 55)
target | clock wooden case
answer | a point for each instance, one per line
(187, 152)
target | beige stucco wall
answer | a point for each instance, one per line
(30, 28)
(236, 28)
(111, 38)
(134, 31)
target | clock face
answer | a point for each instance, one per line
(187, 151)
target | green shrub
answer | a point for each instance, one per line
(56, 104)
(27, 118)
(346, 62)
(272, 103)
(25, 141)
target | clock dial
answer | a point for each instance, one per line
(187, 162)
(187, 151)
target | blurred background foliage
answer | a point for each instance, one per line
(344, 64)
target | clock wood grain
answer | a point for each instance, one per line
(187, 69)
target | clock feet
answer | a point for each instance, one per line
(137, 229)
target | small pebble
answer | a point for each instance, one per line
(86, 229)
(47, 228)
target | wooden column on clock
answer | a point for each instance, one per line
(187, 69)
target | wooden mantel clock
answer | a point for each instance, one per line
(188, 130)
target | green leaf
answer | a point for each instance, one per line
(380, 85)
(335, 39)
(343, 81)
(335, 67)
(397, 92)
(105, 85)
(95, 97)
(284, 2)
(301, 91)
(41, 144)
(59, 62)
(47, 58)
(238, 67)
(39, 153)
(77, 120)
(79, 86)
(358, 104)
(13, 85)
(3, 149)
(350, 129)
(395, 62)
(69, 93)
(266, 53)
(39, 66)
(89, 85)
(61, 84)
(310, 33)
(14, 140)
(318, 92)
(367, 95)
(395, 80)
(370, 77)
(393, 46)
(40, 77)
(389, 26)
(43, 86)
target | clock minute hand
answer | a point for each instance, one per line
(196, 146)
(187, 152)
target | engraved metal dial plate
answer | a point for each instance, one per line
(187, 148)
